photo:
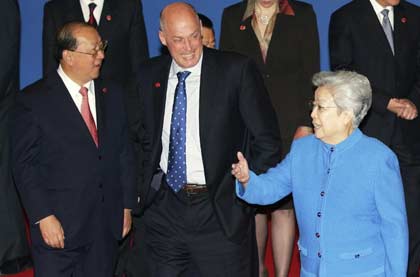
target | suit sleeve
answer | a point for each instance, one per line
(260, 119)
(138, 40)
(414, 95)
(26, 143)
(341, 56)
(226, 42)
(311, 59)
(49, 30)
(389, 198)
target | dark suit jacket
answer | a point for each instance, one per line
(57, 166)
(292, 59)
(13, 242)
(121, 23)
(233, 101)
(357, 42)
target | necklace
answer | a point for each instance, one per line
(263, 19)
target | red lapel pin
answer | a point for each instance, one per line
(242, 27)
(404, 20)
(157, 85)
(109, 17)
(104, 90)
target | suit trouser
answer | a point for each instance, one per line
(410, 172)
(94, 258)
(185, 238)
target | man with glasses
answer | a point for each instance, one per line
(72, 161)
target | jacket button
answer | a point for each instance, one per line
(99, 157)
(322, 193)
(100, 186)
(319, 254)
(317, 235)
(318, 214)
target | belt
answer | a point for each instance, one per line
(192, 189)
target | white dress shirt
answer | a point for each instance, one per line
(73, 88)
(194, 159)
(378, 9)
(84, 4)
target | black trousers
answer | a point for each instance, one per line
(409, 160)
(184, 238)
(95, 258)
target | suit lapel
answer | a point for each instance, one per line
(249, 38)
(370, 24)
(159, 87)
(64, 108)
(100, 94)
(109, 13)
(400, 29)
(73, 11)
(209, 85)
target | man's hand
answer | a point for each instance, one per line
(127, 222)
(241, 170)
(409, 112)
(52, 232)
(403, 108)
(302, 131)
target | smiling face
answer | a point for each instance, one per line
(181, 33)
(84, 63)
(331, 125)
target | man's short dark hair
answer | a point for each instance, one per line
(65, 39)
(205, 21)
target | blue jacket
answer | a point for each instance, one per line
(349, 204)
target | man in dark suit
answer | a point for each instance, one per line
(14, 249)
(381, 39)
(72, 161)
(120, 22)
(196, 107)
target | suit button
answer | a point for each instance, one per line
(100, 186)
(318, 214)
(328, 171)
(99, 157)
(319, 254)
(317, 235)
(322, 193)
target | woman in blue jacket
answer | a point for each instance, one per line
(346, 187)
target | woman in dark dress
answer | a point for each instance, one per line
(282, 38)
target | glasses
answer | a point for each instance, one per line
(100, 47)
(320, 108)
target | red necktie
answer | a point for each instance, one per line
(92, 20)
(87, 115)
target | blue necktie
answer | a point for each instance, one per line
(386, 25)
(176, 175)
